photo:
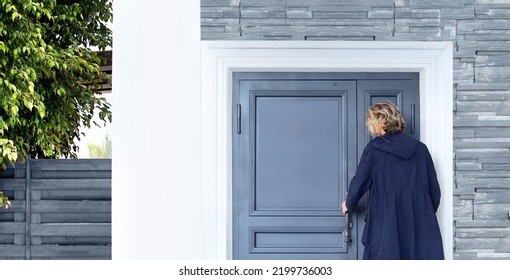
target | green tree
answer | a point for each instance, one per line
(49, 74)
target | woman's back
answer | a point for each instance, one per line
(402, 158)
(399, 174)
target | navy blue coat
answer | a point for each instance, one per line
(399, 174)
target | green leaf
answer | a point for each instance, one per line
(28, 104)
(42, 113)
(6, 151)
(12, 157)
(14, 109)
(14, 15)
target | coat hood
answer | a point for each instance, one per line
(398, 144)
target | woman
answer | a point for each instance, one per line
(404, 192)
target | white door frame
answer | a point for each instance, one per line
(433, 60)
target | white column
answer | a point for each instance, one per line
(156, 129)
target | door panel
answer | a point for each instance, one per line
(295, 170)
(297, 152)
(404, 94)
(299, 143)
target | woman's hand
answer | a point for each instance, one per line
(344, 208)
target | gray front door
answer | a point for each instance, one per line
(296, 139)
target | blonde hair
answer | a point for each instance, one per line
(387, 116)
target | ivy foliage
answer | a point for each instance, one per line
(49, 74)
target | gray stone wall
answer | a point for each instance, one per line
(480, 30)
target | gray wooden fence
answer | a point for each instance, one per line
(61, 209)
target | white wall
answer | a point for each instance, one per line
(156, 129)
(220, 58)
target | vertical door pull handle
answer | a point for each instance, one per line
(238, 118)
(348, 229)
(413, 118)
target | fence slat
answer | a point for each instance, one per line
(13, 227)
(71, 252)
(19, 239)
(92, 229)
(76, 218)
(12, 184)
(52, 184)
(76, 195)
(56, 206)
(77, 240)
(28, 211)
(12, 251)
(6, 238)
(35, 219)
(71, 165)
(16, 206)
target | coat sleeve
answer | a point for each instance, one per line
(361, 182)
(434, 189)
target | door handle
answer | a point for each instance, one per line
(413, 118)
(348, 229)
